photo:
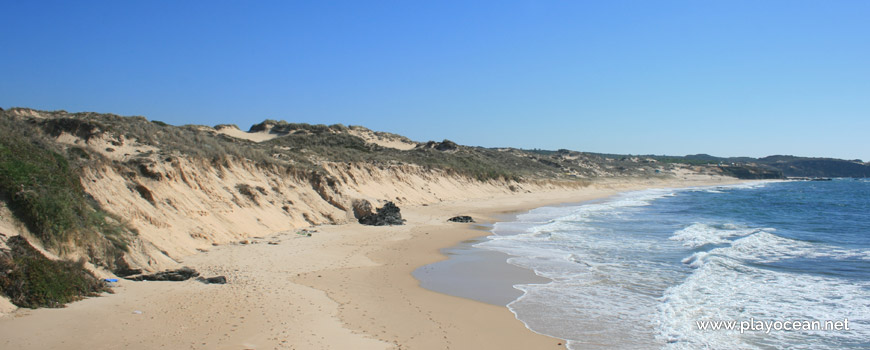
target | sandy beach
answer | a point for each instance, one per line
(346, 286)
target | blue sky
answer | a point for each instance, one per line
(729, 78)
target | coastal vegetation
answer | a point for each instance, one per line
(40, 186)
(31, 280)
(43, 190)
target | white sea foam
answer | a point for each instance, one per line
(723, 287)
(590, 293)
(724, 188)
(700, 234)
(609, 286)
(766, 247)
(729, 285)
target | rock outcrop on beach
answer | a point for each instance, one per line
(362, 208)
(213, 280)
(462, 218)
(389, 214)
(182, 274)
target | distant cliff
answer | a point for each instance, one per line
(789, 166)
(818, 167)
(752, 172)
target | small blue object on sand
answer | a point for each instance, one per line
(111, 280)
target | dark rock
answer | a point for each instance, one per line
(126, 271)
(361, 208)
(463, 218)
(182, 274)
(389, 214)
(213, 280)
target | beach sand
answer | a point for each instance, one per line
(345, 287)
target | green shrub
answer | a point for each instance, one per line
(41, 188)
(32, 280)
(45, 193)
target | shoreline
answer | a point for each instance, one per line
(477, 274)
(468, 256)
(347, 286)
(489, 211)
(471, 257)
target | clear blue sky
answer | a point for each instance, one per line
(729, 78)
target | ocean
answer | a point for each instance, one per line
(661, 268)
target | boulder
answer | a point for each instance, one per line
(182, 274)
(389, 214)
(127, 271)
(361, 208)
(463, 218)
(213, 280)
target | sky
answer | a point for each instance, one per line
(728, 78)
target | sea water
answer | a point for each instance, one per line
(650, 269)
